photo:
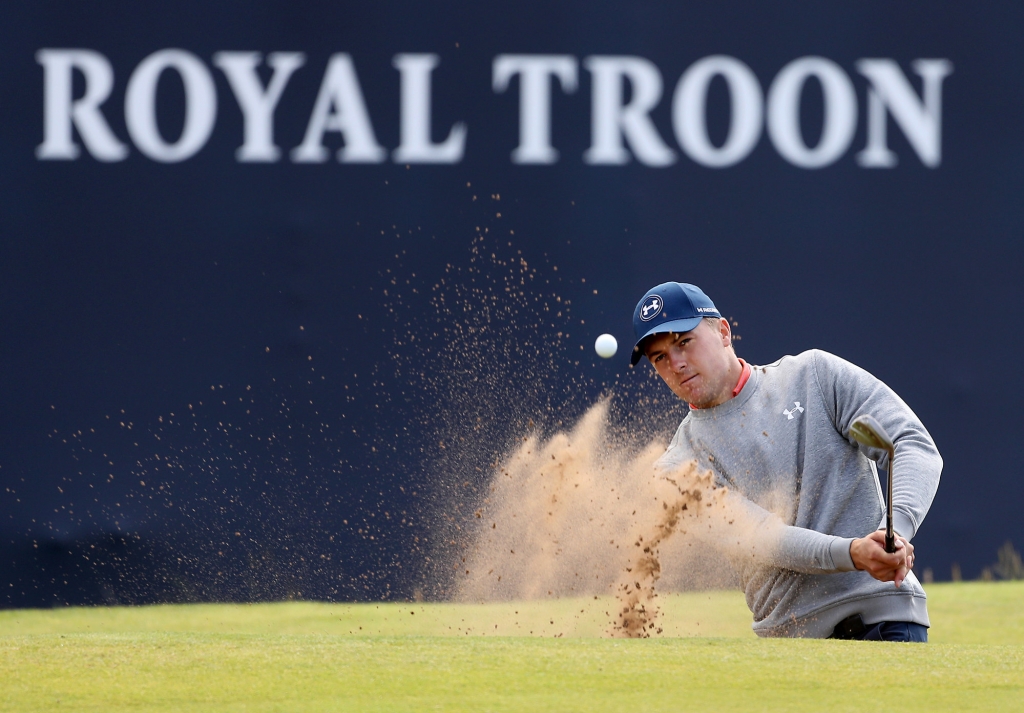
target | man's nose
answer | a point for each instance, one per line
(677, 359)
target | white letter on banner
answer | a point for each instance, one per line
(612, 121)
(840, 115)
(535, 72)
(689, 115)
(921, 122)
(340, 107)
(61, 112)
(258, 104)
(200, 105)
(415, 145)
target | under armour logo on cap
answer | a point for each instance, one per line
(651, 307)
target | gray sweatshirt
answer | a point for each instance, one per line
(783, 444)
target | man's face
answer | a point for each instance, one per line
(696, 364)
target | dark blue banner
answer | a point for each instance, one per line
(281, 283)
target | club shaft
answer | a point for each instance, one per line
(890, 537)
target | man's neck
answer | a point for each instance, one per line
(735, 378)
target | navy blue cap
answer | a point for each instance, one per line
(670, 307)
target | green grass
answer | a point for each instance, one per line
(300, 656)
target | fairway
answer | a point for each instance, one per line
(300, 656)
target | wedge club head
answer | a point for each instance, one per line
(866, 430)
(871, 433)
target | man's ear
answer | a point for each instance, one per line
(726, 332)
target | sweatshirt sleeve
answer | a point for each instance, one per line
(751, 535)
(769, 541)
(849, 391)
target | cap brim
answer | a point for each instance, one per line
(677, 326)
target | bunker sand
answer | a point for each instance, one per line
(586, 513)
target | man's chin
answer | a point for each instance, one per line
(691, 390)
(692, 397)
(698, 398)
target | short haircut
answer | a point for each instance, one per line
(714, 322)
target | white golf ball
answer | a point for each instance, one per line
(606, 346)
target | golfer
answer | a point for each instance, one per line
(779, 436)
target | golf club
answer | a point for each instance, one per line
(866, 430)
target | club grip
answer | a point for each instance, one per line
(890, 542)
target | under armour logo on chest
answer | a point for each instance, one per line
(797, 408)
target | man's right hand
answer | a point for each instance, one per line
(868, 554)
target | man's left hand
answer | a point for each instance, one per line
(869, 555)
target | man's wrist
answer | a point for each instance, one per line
(841, 549)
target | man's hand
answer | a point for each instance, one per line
(869, 555)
